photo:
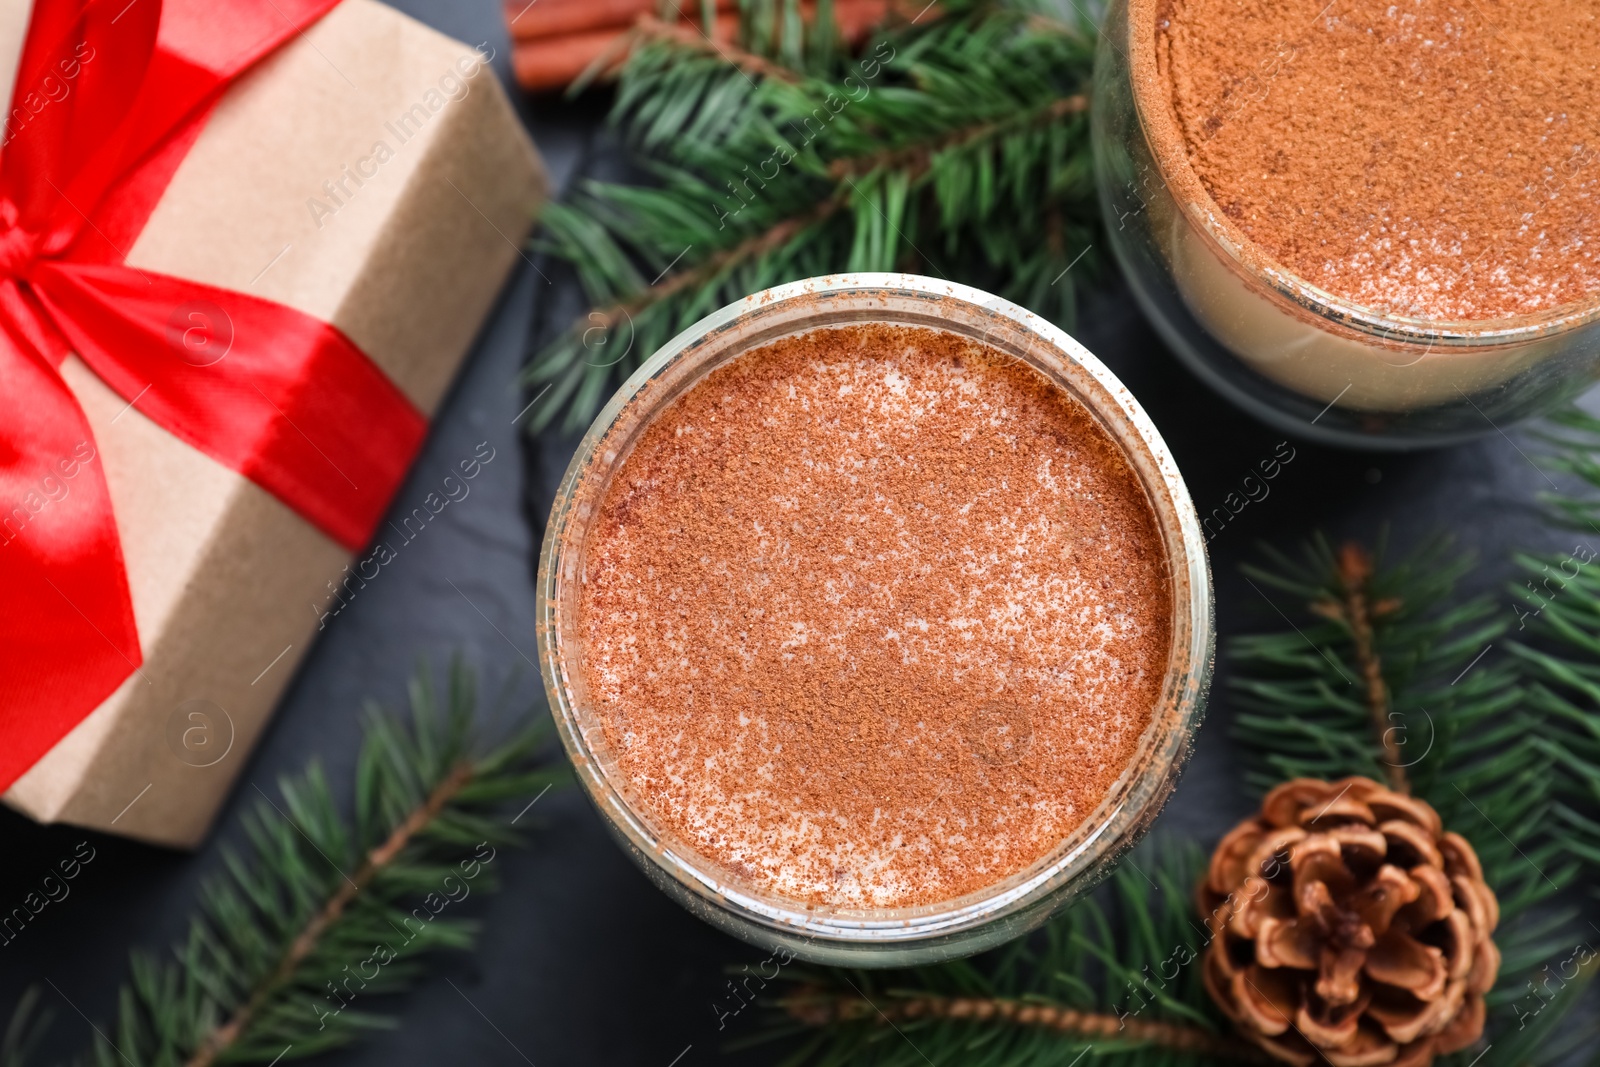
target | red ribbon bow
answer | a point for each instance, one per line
(110, 95)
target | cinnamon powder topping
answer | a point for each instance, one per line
(874, 616)
(1430, 158)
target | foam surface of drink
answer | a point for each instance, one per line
(1432, 159)
(874, 617)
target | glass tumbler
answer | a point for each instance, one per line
(868, 936)
(1295, 356)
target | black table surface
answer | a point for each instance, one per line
(581, 960)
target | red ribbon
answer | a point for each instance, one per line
(109, 96)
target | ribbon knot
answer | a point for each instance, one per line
(18, 251)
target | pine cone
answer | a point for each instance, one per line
(1349, 928)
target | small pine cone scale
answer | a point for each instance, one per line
(1349, 927)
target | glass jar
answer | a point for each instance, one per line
(1293, 355)
(885, 936)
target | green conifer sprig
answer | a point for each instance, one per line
(1557, 605)
(1571, 440)
(1413, 704)
(320, 914)
(955, 144)
(1118, 975)
(1564, 668)
(1386, 672)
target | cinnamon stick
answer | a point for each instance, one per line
(552, 61)
(555, 62)
(551, 18)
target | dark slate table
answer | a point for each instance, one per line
(581, 961)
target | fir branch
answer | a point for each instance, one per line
(1387, 672)
(819, 1007)
(1571, 439)
(917, 159)
(1120, 977)
(1564, 669)
(956, 146)
(1389, 642)
(306, 942)
(774, 237)
(1356, 610)
(914, 161)
(285, 942)
(1559, 627)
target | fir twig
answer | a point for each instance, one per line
(1389, 671)
(819, 1007)
(917, 159)
(1356, 610)
(323, 910)
(1571, 438)
(1559, 626)
(1119, 977)
(774, 237)
(306, 942)
(954, 145)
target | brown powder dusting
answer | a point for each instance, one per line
(874, 615)
(1430, 158)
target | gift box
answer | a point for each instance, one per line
(294, 217)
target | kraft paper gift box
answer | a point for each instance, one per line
(406, 261)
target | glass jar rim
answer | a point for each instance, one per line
(1167, 148)
(843, 299)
